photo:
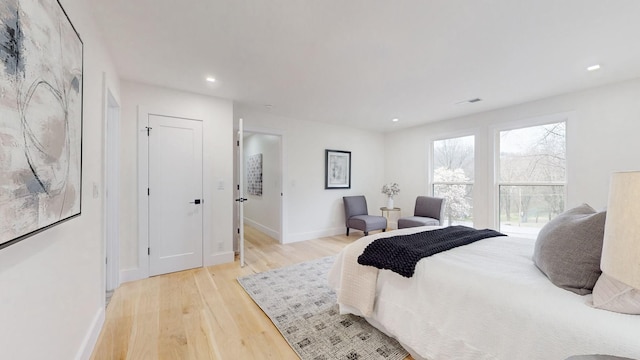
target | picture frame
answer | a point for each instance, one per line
(337, 169)
(41, 79)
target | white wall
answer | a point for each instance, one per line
(263, 212)
(217, 118)
(52, 284)
(602, 137)
(310, 211)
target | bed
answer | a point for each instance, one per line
(486, 300)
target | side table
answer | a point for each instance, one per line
(388, 212)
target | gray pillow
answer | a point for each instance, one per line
(569, 247)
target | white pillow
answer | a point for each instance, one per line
(613, 295)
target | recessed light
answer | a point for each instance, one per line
(210, 79)
(593, 67)
(395, 120)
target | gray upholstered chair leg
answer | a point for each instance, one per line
(347, 231)
(366, 233)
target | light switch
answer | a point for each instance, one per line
(96, 193)
(220, 184)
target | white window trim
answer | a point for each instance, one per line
(535, 183)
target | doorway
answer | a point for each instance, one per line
(263, 165)
(263, 182)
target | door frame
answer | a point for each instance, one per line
(142, 270)
(283, 218)
(111, 190)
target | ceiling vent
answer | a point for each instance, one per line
(469, 101)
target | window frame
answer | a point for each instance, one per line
(431, 167)
(567, 118)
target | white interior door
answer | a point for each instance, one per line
(175, 194)
(240, 199)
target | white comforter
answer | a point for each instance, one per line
(487, 300)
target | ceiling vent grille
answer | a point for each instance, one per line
(469, 101)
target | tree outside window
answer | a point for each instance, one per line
(532, 181)
(453, 176)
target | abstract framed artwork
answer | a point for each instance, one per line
(40, 118)
(337, 169)
(254, 175)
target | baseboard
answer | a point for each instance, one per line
(91, 338)
(213, 259)
(132, 275)
(263, 229)
(219, 258)
(291, 238)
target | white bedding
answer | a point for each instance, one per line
(487, 300)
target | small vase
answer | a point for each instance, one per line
(390, 202)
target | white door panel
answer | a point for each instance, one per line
(175, 194)
(241, 199)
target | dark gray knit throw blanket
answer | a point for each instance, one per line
(401, 253)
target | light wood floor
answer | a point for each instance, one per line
(204, 313)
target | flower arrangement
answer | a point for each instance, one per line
(391, 189)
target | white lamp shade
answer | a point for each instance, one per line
(621, 247)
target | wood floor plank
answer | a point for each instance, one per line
(204, 313)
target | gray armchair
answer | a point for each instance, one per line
(429, 211)
(357, 216)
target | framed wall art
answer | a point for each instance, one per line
(337, 169)
(254, 175)
(40, 118)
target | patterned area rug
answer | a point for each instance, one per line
(300, 303)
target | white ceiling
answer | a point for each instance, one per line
(364, 62)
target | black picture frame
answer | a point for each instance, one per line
(337, 169)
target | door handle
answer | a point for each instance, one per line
(241, 199)
(196, 201)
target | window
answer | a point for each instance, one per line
(453, 174)
(532, 177)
